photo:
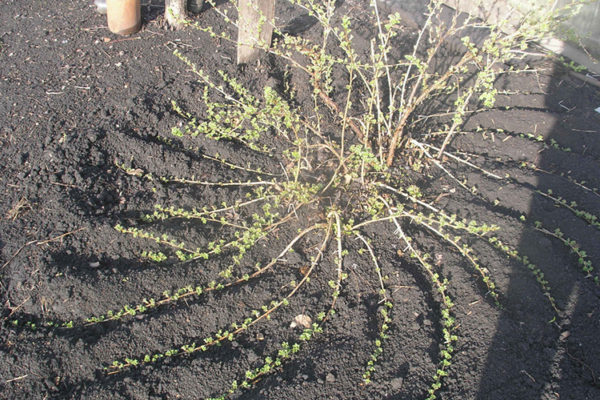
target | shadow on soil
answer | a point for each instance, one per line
(560, 357)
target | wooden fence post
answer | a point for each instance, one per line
(250, 31)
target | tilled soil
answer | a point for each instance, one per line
(83, 117)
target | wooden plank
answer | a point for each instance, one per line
(254, 26)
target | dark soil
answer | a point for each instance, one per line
(76, 102)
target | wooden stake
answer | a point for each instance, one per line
(254, 26)
(175, 13)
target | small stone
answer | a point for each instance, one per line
(330, 378)
(92, 136)
(252, 357)
(95, 264)
(396, 383)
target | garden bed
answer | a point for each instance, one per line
(85, 128)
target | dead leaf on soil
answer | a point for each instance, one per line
(301, 320)
(304, 269)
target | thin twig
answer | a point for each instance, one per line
(16, 253)
(18, 378)
(60, 237)
(38, 243)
